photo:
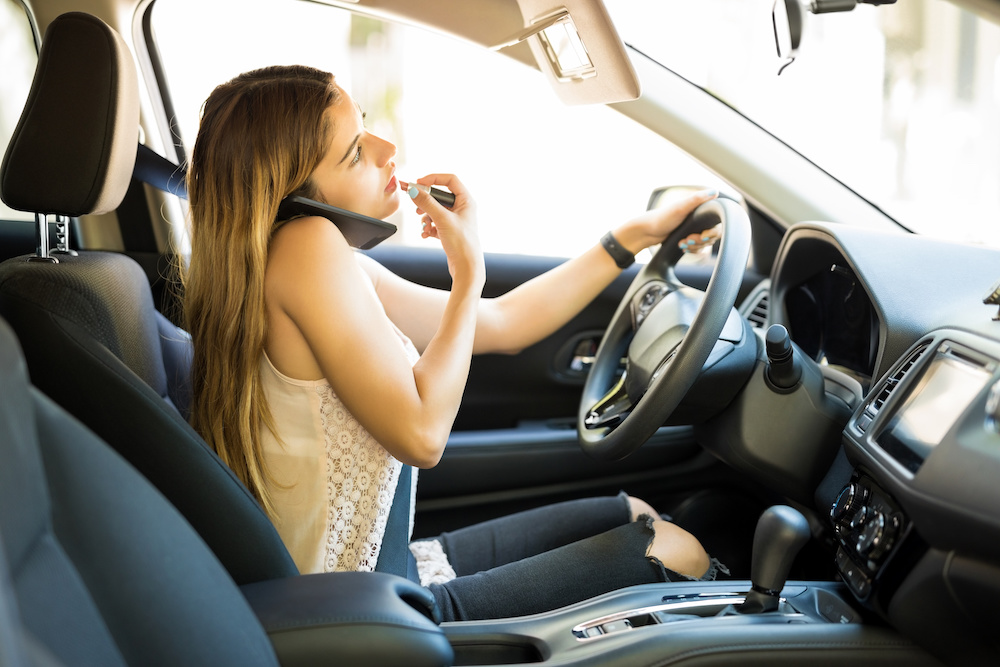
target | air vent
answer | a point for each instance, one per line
(758, 315)
(890, 384)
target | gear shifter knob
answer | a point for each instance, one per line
(781, 533)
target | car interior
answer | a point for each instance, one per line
(816, 398)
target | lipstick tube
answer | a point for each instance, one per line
(443, 197)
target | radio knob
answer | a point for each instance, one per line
(847, 503)
(874, 538)
(861, 515)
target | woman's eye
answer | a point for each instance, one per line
(357, 156)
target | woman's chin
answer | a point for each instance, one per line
(391, 206)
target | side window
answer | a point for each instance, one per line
(18, 55)
(549, 179)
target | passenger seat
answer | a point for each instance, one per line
(103, 571)
(93, 340)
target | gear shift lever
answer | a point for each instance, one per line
(781, 532)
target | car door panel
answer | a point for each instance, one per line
(537, 455)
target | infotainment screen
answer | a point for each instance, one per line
(932, 406)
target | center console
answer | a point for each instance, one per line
(678, 622)
(913, 496)
(870, 529)
(707, 622)
(904, 445)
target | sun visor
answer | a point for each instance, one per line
(575, 43)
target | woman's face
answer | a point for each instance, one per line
(357, 173)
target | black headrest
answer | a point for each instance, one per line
(74, 147)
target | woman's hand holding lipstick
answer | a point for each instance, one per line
(443, 197)
(454, 226)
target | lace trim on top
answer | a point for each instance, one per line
(361, 478)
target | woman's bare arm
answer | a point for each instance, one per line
(539, 307)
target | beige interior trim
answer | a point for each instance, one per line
(615, 81)
(491, 22)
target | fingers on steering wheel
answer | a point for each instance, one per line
(697, 242)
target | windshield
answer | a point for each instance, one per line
(898, 102)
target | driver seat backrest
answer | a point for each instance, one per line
(102, 569)
(93, 340)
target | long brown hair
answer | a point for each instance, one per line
(261, 137)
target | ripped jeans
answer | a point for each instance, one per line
(549, 557)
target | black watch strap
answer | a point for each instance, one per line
(623, 258)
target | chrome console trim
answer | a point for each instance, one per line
(671, 604)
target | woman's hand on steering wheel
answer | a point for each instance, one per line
(694, 243)
(653, 226)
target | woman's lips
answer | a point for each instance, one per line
(393, 185)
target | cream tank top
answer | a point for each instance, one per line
(333, 482)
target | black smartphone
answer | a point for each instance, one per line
(360, 231)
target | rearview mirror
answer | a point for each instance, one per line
(786, 15)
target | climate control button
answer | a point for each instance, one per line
(860, 517)
(878, 535)
(872, 535)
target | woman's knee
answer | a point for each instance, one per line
(638, 507)
(678, 550)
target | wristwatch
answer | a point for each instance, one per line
(623, 258)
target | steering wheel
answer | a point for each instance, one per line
(666, 332)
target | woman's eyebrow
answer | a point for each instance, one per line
(350, 149)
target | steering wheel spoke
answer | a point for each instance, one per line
(646, 299)
(612, 408)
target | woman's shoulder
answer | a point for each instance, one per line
(308, 251)
(320, 234)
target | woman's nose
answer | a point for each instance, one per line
(386, 151)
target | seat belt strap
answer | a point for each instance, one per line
(394, 557)
(158, 171)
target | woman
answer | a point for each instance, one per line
(318, 374)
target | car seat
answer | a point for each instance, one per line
(93, 339)
(102, 570)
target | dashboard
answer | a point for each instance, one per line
(912, 498)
